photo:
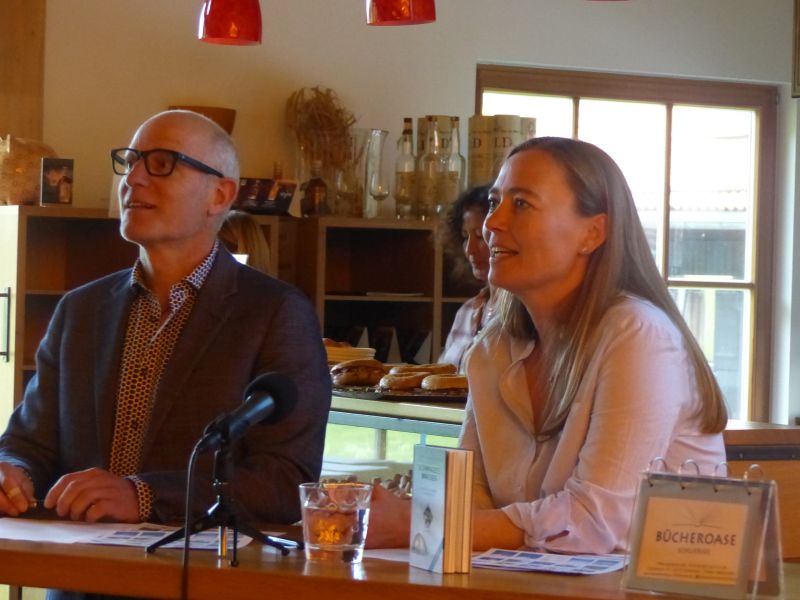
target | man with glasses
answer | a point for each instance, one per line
(135, 365)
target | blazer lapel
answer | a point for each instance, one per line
(109, 338)
(209, 313)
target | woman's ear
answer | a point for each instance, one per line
(596, 232)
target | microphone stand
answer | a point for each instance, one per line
(223, 516)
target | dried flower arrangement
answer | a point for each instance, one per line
(321, 125)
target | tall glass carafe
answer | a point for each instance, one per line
(348, 181)
(377, 138)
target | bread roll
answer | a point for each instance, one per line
(404, 381)
(431, 368)
(444, 382)
(359, 371)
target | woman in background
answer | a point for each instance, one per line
(241, 234)
(587, 373)
(464, 235)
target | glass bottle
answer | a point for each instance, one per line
(455, 169)
(315, 195)
(404, 173)
(429, 169)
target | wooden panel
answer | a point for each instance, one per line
(750, 433)
(22, 25)
(787, 475)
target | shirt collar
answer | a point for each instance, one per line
(195, 279)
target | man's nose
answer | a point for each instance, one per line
(137, 173)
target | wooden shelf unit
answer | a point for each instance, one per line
(49, 250)
(370, 272)
(377, 273)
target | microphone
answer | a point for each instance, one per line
(269, 398)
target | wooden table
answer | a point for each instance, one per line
(775, 448)
(265, 574)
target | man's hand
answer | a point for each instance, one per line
(94, 495)
(16, 490)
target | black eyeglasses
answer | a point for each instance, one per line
(159, 162)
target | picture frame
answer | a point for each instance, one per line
(264, 196)
(57, 177)
(796, 52)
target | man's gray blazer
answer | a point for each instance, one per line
(243, 323)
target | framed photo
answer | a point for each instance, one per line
(796, 52)
(265, 196)
(57, 179)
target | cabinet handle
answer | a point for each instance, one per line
(7, 352)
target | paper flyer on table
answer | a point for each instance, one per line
(149, 534)
(566, 564)
(115, 534)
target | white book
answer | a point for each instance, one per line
(441, 509)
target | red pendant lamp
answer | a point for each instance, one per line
(231, 22)
(400, 12)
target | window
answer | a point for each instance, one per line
(699, 158)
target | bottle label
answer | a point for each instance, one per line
(404, 183)
(428, 191)
(449, 183)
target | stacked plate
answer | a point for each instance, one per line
(337, 354)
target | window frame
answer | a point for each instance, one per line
(762, 99)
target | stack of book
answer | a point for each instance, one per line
(441, 509)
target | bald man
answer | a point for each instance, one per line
(135, 365)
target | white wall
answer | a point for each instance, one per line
(111, 63)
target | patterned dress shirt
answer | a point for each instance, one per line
(149, 341)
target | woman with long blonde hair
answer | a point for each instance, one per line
(242, 234)
(588, 373)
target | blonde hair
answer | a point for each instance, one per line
(623, 263)
(241, 234)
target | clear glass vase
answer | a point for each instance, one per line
(374, 161)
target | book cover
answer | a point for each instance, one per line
(57, 179)
(441, 509)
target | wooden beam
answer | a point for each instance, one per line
(22, 27)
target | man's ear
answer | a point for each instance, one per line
(224, 195)
(596, 232)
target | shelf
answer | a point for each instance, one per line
(374, 298)
(390, 224)
(456, 299)
(55, 293)
(50, 250)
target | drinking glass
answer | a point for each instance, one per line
(379, 187)
(335, 518)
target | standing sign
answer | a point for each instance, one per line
(705, 536)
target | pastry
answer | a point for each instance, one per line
(445, 382)
(359, 371)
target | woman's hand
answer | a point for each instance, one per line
(389, 519)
